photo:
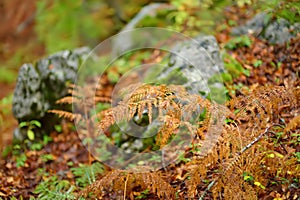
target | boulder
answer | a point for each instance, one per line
(40, 85)
(275, 31)
(192, 63)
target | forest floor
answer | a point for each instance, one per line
(57, 154)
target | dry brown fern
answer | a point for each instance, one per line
(254, 117)
(262, 105)
(295, 122)
(176, 108)
(231, 149)
(67, 115)
(83, 100)
(120, 184)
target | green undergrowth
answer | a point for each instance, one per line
(54, 187)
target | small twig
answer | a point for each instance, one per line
(125, 187)
(237, 157)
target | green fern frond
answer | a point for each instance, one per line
(86, 175)
(53, 188)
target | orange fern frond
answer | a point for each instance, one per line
(127, 182)
(67, 115)
(295, 122)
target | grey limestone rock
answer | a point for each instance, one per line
(275, 31)
(254, 25)
(40, 85)
(192, 64)
(281, 31)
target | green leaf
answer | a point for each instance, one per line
(36, 146)
(7, 150)
(257, 63)
(47, 139)
(226, 77)
(246, 72)
(113, 76)
(242, 41)
(36, 123)
(30, 135)
(259, 185)
(233, 67)
(85, 174)
(47, 157)
(20, 160)
(297, 154)
(53, 188)
(23, 124)
(279, 155)
(58, 128)
(246, 178)
(228, 120)
(272, 155)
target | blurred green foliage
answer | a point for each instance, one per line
(66, 24)
(234, 67)
(241, 41)
(287, 9)
(7, 75)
